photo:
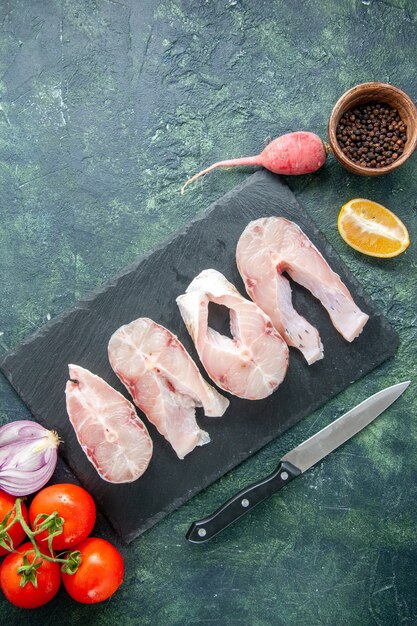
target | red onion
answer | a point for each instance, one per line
(28, 457)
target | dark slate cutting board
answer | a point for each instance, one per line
(38, 368)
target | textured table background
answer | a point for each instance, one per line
(105, 108)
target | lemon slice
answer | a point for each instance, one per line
(372, 229)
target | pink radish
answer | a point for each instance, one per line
(294, 153)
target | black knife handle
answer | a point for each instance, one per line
(241, 503)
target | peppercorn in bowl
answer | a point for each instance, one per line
(373, 129)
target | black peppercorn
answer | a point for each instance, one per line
(373, 135)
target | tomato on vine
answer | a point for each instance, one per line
(99, 575)
(28, 581)
(76, 515)
(14, 536)
(61, 517)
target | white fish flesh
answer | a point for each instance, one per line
(164, 382)
(254, 361)
(108, 429)
(270, 246)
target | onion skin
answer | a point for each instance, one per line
(28, 457)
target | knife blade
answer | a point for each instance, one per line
(296, 462)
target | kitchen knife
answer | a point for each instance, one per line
(296, 462)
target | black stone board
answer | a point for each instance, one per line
(37, 369)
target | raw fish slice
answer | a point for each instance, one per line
(273, 245)
(272, 293)
(164, 382)
(110, 433)
(255, 361)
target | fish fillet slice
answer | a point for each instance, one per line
(110, 433)
(251, 364)
(270, 246)
(164, 382)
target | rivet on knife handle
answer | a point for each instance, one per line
(241, 503)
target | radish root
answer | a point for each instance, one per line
(292, 154)
(254, 160)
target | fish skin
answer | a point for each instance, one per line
(272, 245)
(164, 382)
(252, 364)
(112, 436)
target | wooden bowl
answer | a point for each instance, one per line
(374, 92)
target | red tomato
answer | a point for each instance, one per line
(99, 575)
(74, 504)
(16, 532)
(29, 596)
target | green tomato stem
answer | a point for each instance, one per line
(31, 536)
(7, 528)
